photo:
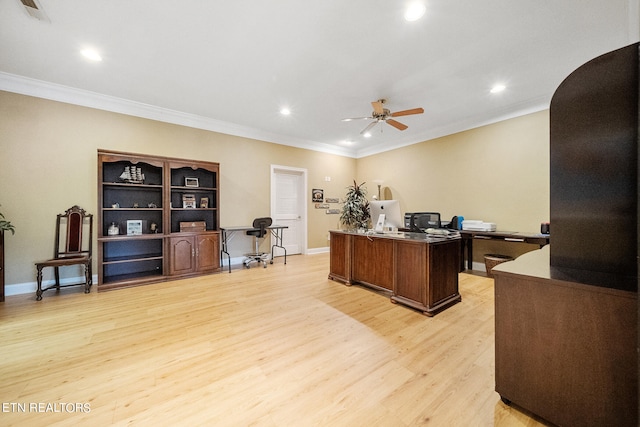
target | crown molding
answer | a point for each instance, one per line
(56, 92)
(490, 117)
(60, 93)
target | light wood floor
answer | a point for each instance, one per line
(282, 346)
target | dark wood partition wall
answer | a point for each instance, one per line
(567, 316)
(594, 170)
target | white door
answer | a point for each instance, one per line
(287, 207)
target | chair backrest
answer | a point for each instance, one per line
(262, 224)
(74, 233)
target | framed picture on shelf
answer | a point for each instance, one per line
(188, 201)
(134, 227)
(204, 202)
(191, 182)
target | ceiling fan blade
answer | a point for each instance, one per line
(356, 118)
(396, 124)
(368, 128)
(377, 107)
(408, 112)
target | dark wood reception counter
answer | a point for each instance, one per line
(419, 270)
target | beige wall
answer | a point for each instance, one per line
(497, 173)
(49, 163)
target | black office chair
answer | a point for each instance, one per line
(259, 231)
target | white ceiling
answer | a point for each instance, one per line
(230, 66)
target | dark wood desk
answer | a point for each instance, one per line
(565, 351)
(507, 236)
(417, 270)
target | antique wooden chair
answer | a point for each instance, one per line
(74, 239)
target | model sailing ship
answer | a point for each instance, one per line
(132, 175)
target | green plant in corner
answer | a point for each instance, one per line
(6, 225)
(355, 211)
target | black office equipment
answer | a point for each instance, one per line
(417, 222)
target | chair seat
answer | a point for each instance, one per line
(61, 262)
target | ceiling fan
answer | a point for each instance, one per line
(381, 114)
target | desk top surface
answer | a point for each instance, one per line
(513, 234)
(403, 235)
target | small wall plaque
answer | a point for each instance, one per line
(317, 195)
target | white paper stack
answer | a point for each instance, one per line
(477, 225)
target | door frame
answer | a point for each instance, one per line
(275, 169)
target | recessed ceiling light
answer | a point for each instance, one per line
(415, 11)
(498, 88)
(367, 134)
(285, 111)
(91, 54)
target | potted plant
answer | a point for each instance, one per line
(355, 211)
(6, 225)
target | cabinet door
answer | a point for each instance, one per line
(182, 254)
(411, 275)
(372, 261)
(207, 252)
(340, 261)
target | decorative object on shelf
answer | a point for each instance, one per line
(136, 205)
(113, 229)
(204, 202)
(153, 228)
(355, 211)
(152, 205)
(132, 175)
(115, 205)
(191, 182)
(6, 225)
(317, 195)
(188, 201)
(193, 226)
(134, 227)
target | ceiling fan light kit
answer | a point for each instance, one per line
(381, 114)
